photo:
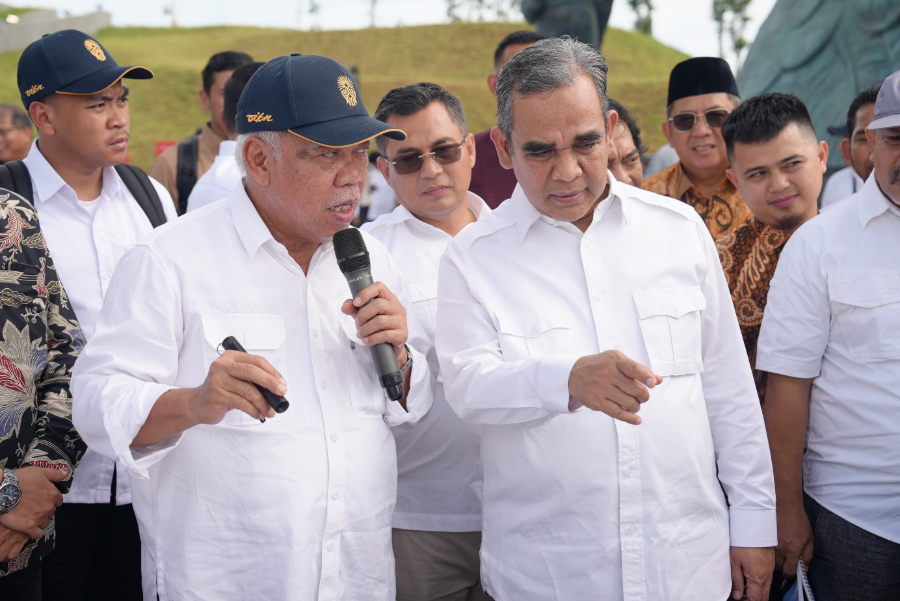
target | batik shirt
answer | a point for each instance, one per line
(749, 256)
(723, 213)
(39, 342)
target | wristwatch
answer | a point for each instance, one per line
(10, 491)
(408, 365)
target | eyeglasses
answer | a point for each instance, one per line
(443, 155)
(686, 121)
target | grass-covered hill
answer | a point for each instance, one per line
(457, 56)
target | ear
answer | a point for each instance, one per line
(470, 146)
(259, 161)
(42, 116)
(731, 177)
(492, 84)
(502, 146)
(845, 151)
(667, 132)
(204, 100)
(385, 169)
(823, 155)
(612, 119)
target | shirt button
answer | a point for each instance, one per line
(533, 331)
(330, 546)
(587, 244)
(629, 530)
(628, 471)
(324, 384)
(315, 332)
(415, 293)
(334, 436)
(598, 296)
(335, 495)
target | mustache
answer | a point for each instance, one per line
(346, 196)
(894, 177)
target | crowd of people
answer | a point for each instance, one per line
(678, 387)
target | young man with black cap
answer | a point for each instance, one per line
(702, 91)
(90, 216)
(298, 507)
(180, 167)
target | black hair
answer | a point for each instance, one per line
(626, 118)
(408, 100)
(234, 87)
(761, 118)
(867, 96)
(516, 38)
(17, 116)
(223, 61)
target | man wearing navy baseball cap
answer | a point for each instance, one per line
(93, 209)
(234, 500)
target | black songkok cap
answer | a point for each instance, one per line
(701, 75)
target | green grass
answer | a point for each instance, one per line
(458, 56)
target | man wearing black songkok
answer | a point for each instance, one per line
(702, 92)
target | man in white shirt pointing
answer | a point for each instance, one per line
(298, 507)
(437, 522)
(549, 312)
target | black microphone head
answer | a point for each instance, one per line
(350, 250)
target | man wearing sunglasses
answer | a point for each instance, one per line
(437, 520)
(702, 91)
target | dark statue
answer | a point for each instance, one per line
(584, 20)
(825, 52)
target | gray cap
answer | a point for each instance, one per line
(887, 107)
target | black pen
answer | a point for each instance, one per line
(278, 403)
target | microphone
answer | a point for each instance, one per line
(353, 260)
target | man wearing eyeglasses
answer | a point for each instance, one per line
(15, 133)
(702, 92)
(437, 520)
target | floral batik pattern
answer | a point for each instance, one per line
(749, 256)
(39, 341)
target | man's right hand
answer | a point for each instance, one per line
(612, 383)
(228, 386)
(11, 543)
(795, 540)
(38, 502)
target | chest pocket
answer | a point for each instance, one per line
(671, 328)
(259, 334)
(867, 307)
(366, 395)
(424, 303)
(527, 334)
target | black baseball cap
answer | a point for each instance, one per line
(313, 97)
(69, 62)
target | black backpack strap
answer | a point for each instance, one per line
(144, 193)
(186, 176)
(14, 176)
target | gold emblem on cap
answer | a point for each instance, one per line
(95, 49)
(34, 89)
(258, 118)
(345, 85)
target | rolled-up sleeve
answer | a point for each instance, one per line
(480, 386)
(736, 420)
(130, 362)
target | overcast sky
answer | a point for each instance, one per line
(683, 24)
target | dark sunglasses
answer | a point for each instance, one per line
(686, 121)
(443, 155)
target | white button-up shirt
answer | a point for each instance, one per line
(438, 462)
(578, 506)
(218, 182)
(296, 508)
(86, 241)
(833, 314)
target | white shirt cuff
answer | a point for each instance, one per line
(553, 382)
(124, 421)
(753, 527)
(789, 367)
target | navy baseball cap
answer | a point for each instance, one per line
(69, 62)
(313, 97)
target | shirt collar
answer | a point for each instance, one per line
(249, 225)
(872, 202)
(48, 183)
(524, 214)
(475, 203)
(226, 148)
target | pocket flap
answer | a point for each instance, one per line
(527, 323)
(674, 302)
(423, 289)
(255, 331)
(864, 289)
